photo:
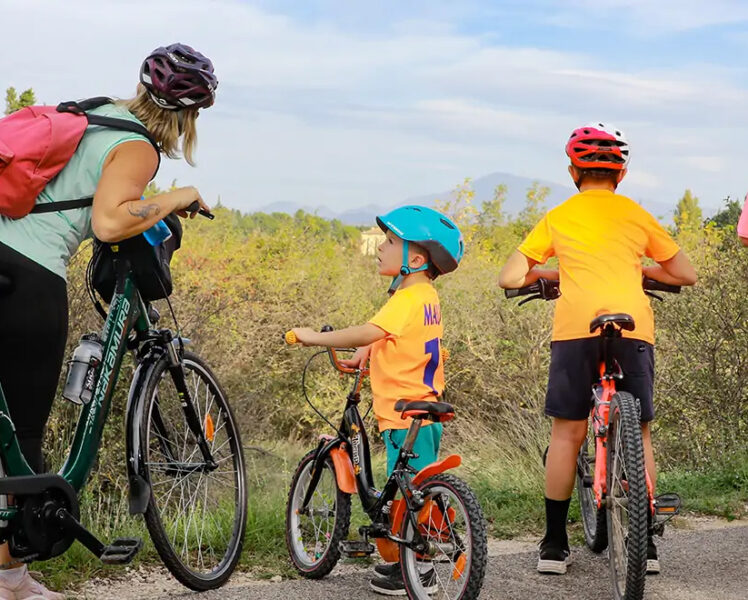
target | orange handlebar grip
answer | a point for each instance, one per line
(290, 337)
(445, 355)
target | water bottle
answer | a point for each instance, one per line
(158, 233)
(82, 370)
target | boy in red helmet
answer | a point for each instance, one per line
(599, 238)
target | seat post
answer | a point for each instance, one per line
(410, 438)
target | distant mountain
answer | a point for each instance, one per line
(484, 190)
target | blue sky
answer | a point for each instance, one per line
(339, 104)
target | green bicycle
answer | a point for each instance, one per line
(185, 462)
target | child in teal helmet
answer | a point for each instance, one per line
(403, 340)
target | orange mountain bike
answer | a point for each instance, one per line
(435, 528)
(615, 491)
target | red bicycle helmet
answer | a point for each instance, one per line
(178, 77)
(598, 146)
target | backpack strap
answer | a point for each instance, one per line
(81, 108)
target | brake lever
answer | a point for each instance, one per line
(648, 293)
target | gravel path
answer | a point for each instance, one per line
(705, 563)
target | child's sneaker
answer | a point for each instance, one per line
(394, 585)
(653, 563)
(553, 558)
(385, 569)
(22, 586)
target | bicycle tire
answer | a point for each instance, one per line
(594, 519)
(473, 567)
(327, 556)
(228, 514)
(626, 479)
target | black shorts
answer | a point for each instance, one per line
(575, 368)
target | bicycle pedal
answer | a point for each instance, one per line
(121, 551)
(667, 506)
(356, 548)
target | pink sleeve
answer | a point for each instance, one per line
(743, 221)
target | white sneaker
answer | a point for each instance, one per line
(25, 587)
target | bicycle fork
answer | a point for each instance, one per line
(176, 370)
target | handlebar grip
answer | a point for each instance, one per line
(445, 355)
(326, 328)
(290, 338)
(513, 293)
(195, 208)
(658, 286)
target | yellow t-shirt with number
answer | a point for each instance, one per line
(599, 238)
(407, 363)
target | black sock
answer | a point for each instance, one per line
(556, 512)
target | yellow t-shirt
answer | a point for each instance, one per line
(599, 238)
(407, 363)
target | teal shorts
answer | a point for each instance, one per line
(426, 446)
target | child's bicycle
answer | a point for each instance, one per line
(615, 492)
(436, 525)
(184, 456)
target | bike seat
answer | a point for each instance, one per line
(623, 320)
(421, 409)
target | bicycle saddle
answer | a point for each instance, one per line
(623, 320)
(420, 409)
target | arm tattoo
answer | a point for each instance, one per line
(143, 211)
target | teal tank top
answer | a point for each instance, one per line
(50, 239)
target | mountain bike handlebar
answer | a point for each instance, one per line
(548, 289)
(195, 207)
(290, 338)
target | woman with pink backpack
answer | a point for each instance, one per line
(67, 174)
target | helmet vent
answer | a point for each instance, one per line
(447, 223)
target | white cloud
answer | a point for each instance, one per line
(322, 115)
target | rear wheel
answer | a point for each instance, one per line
(627, 499)
(197, 512)
(451, 522)
(593, 518)
(313, 535)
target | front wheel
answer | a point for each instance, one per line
(627, 500)
(593, 518)
(197, 512)
(314, 533)
(451, 523)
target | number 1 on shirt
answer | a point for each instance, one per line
(432, 349)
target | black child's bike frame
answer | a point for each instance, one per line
(436, 524)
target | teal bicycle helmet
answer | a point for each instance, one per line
(430, 229)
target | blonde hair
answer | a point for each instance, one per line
(164, 124)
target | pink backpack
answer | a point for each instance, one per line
(36, 142)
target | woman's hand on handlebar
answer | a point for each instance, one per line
(187, 197)
(359, 358)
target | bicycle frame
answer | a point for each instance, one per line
(127, 313)
(603, 393)
(350, 453)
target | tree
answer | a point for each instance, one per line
(729, 215)
(688, 215)
(13, 102)
(492, 212)
(534, 207)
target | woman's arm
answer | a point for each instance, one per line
(118, 211)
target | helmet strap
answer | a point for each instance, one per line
(404, 270)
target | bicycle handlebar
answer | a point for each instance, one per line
(290, 338)
(547, 289)
(195, 207)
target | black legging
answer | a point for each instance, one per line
(33, 333)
